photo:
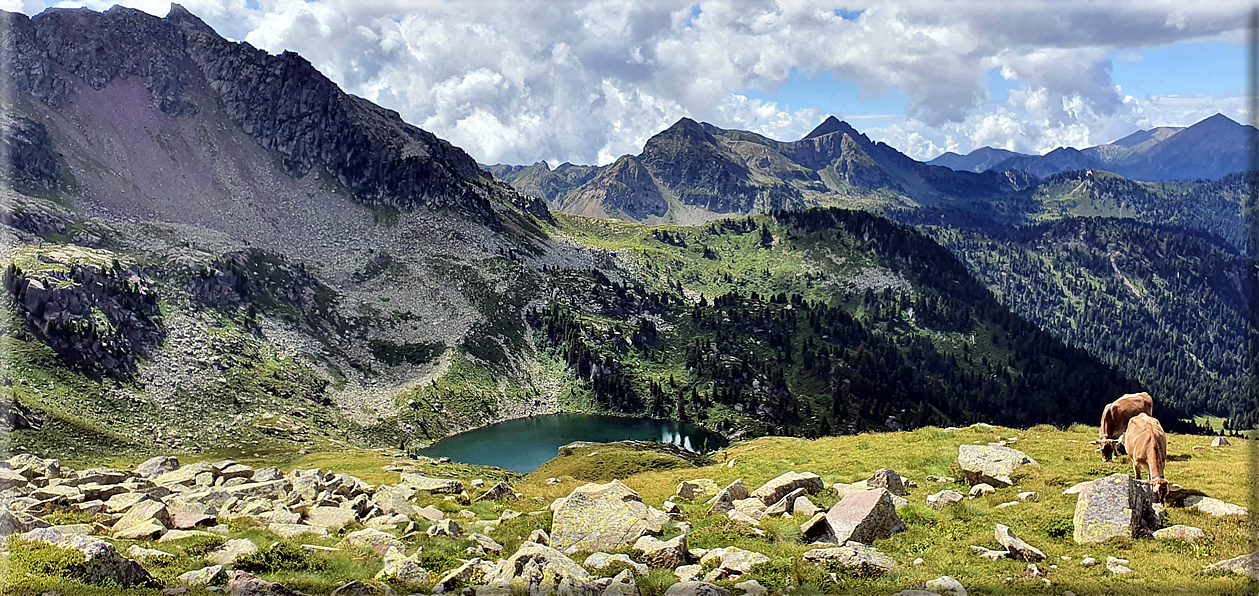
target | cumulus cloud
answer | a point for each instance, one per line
(589, 80)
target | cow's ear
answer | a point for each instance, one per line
(1094, 442)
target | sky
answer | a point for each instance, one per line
(586, 81)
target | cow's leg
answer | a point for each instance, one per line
(1136, 468)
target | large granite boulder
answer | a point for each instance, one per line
(944, 498)
(102, 563)
(889, 479)
(248, 584)
(544, 571)
(862, 517)
(731, 562)
(603, 517)
(855, 557)
(773, 491)
(991, 464)
(1114, 506)
(1213, 507)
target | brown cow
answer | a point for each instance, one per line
(1147, 446)
(1115, 419)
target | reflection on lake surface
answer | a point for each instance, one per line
(523, 445)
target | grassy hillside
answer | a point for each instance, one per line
(940, 538)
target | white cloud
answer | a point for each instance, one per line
(590, 80)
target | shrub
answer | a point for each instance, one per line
(42, 559)
(200, 546)
(281, 556)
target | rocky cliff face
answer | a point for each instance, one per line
(282, 102)
(29, 162)
(98, 316)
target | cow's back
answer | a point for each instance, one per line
(1146, 438)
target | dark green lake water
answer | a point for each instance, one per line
(523, 445)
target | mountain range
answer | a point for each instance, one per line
(1208, 150)
(208, 246)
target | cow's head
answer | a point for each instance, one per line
(1160, 489)
(1106, 447)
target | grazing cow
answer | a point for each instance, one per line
(1147, 446)
(1115, 420)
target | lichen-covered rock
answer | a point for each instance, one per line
(1247, 565)
(447, 528)
(603, 517)
(751, 587)
(1180, 532)
(774, 490)
(154, 467)
(248, 584)
(544, 570)
(142, 512)
(663, 554)
(991, 464)
(333, 518)
(602, 560)
(438, 486)
(855, 557)
(946, 586)
(1017, 547)
(803, 507)
(376, 540)
(206, 576)
(230, 551)
(500, 490)
(622, 584)
(699, 488)
(141, 554)
(1114, 506)
(402, 569)
(731, 562)
(694, 588)
(944, 498)
(1213, 507)
(102, 563)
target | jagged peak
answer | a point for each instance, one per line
(828, 126)
(181, 17)
(685, 129)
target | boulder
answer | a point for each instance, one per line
(376, 540)
(157, 466)
(888, 479)
(1117, 566)
(694, 588)
(693, 490)
(333, 518)
(9, 524)
(1114, 506)
(663, 554)
(102, 563)
(1077, 488)
(991, 555)
(946, 586)
(544, 570)
(497, 492)
(295, 530)
(603, 517)
(184, 475)
(188, 521)
(991, 465)
(1018, 549)
(402, 569)
(430, 513)
(206, 576)
(688, 573)
(447, 528)
(1179, 532)
(804, 507)
(247, 584)
(943, 499)
(230, 551)
(148, 530)
(854, 556)
(147, 511)
(439, 486)
(723, 501)
(1213, 507)
(487, 543)
(461, 574)
(622, 585)
(864, 517)
(141, 554)
(774, 490)
(751, 587)
(1219, 441)
(1247, 565)
(10, 479)
(602, 560)
(981, 489)
(751, 507)
(731, 562)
